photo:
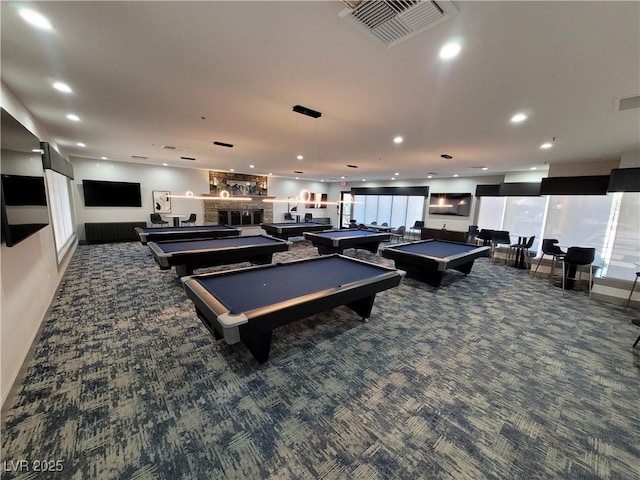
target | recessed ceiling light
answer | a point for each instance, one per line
(232, 169)
(533, 168)
(450, 50)
(103, 158)
(518, 118)
(297, 178)
(485, 168)
(398, 139)
(63, 87)
(546, 145)
(165, 164)
(393, 178)
(429, 176)
(396, 174)
(73, 117)
(36, 19)
(270, 173)
(80, 144)
(322, 180)
(342, 178)
(455, 175)
(300, 157)
(251, 166)
(364, 179)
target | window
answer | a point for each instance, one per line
(60, 205)
(491, 212)
(395, 210)
(524, 217)
(623, 250)
(580, 220)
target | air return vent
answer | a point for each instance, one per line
(628, 103)
(139, 157)
(394, 21)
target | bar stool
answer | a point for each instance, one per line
(549, 247)
(577, 257)
(629, 299)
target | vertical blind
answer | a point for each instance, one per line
(60, 208)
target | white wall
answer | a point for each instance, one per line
(151, 177)
(577, 169)
(29, 276)
(630, 159)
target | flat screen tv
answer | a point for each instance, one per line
(100, 193)
(24, 198)
(458, 204)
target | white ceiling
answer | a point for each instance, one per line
(144, 74)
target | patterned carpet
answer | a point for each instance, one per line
(492, 376)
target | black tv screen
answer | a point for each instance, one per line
(100, 193)
(458, 204)
(24, 198)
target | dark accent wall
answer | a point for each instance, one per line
(52, 160)
(624, 180)
(585, 185)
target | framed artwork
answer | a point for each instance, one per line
(161, 201)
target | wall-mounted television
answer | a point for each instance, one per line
(100, 193)
(24, 198)
(458, 204)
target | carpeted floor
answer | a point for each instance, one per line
(493, 375)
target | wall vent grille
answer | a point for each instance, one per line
(628, 103)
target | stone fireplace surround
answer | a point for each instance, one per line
(213, 207)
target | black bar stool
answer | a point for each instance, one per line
(631, 293)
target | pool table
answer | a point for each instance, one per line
(430, 259)
(337, 241)
(246, 305)
(288, 230)
(184, 233)
(186, 255)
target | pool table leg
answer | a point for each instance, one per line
(211, 328)
(258, 343)
(184, 270)
(465, 267)
(363, 306)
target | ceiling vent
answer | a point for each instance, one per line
(171, 147)
(394, 21)
(188, 158)
(628, 103)
(139, 157)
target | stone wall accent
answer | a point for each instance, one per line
(211, 208)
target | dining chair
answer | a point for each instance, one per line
(288, 217)
(485, 235)
(156, 219)
(191, 220)
(308, 217)
(398, 233)
(417, 227)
